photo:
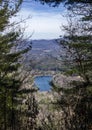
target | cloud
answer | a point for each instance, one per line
(44, 24)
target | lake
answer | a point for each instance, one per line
(43, 82)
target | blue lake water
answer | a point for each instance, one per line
(43, 82)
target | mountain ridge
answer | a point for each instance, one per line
(44, 54)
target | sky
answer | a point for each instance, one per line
(44, 23)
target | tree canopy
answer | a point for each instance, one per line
(57, 2)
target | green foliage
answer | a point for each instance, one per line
(79, 52)
(55, 3)
(9, 76)
(75, 102)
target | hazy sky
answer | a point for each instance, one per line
(45, 21)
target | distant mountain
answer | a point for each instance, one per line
(44, 55)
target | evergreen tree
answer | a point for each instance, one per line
(32, 112)
(55, 3)
(78, 45)
(76, 101)
(9, 64)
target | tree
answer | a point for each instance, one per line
(77, 43)
(75, 105)
(32, 112)
(66, 2)
(9, 64)
(78, 47)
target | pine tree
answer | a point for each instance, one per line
(78, 47)
(32, 112)
(9, 65)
